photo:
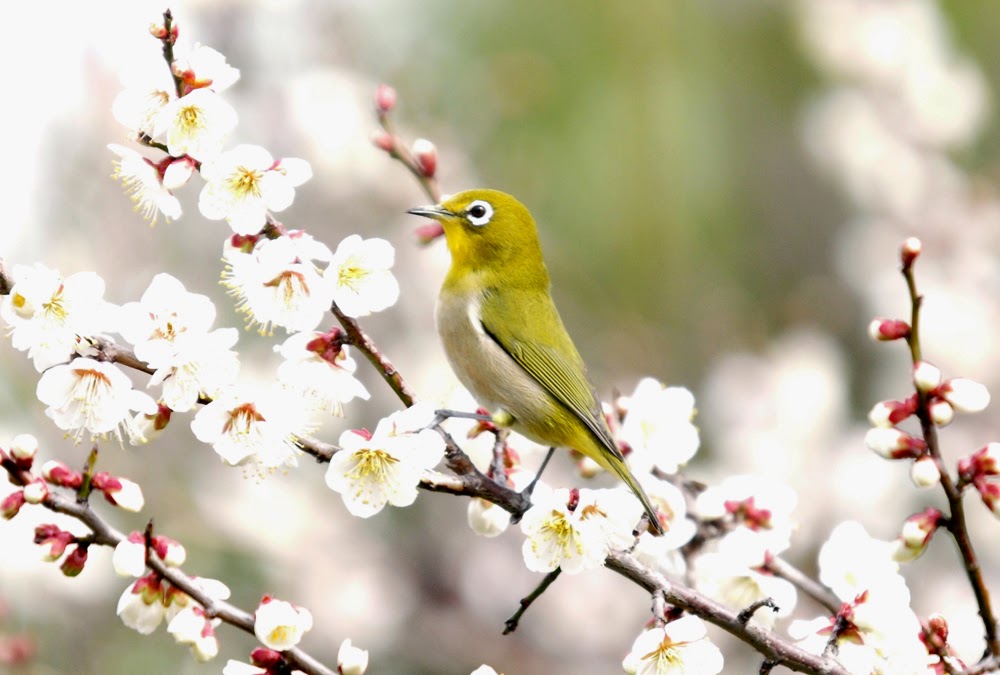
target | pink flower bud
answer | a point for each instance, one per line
(383, 140)
(35, 492)
(426, 155)
(917, 532)
(910, 251)
(926, 376)
(990, 494)
(55, 538)
(329, 346)
(925, 473)
(158, 30)
(170, 551)
(893, 443)
(937, 629)
(59, 474)
(74, 562)
(983, 462)
(966, 396)
(941, 412)
(385, 98)
(23, 448)
(262, 657)
(121, 492)
(429, 232)
(891, 413)
(11, 504)
(885, 330)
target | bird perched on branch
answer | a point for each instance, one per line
(503, 335)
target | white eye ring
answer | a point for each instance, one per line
(479, 212)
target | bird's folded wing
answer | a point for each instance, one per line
(564, 379)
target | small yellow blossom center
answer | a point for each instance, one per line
(190, 118)
(279, 635)
(562, 531)
(290, 285)
(54, 307)
(372, 466)
(244, 182)
(666, 656)
(351, 273)
(242, 420)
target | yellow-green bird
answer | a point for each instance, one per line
(503, 335)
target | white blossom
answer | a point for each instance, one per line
(205, 67)
(680, 647)
(351, 660)
(45, 312)
(276, 285)
(129, 558)
(143, 184)
(575, 530)
(93, 396)
(279, 625)
(195, 124)
(317, 366)
(657, 427)
(244, 183)
(255, 426)
(191, 627)
(361, 276)
(370, 471)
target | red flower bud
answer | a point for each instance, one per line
(385, 98)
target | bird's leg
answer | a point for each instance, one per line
(526, 492)
(443, 414)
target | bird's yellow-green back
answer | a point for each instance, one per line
(504, 337)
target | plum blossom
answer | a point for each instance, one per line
(278, 283)
(361, 276)
(47, 314)
(195, 124)
(143, 183)
(254, 426)
(680, 647)
(657, 427)
(576, 529)
(385, 467)
(280, 625)
(319, 365)
(92, 396)
(244, 183)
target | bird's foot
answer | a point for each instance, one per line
(526, 492)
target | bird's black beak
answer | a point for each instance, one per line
(434, 211)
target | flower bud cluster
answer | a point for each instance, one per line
(941, 398)
(58, 540)
(977, 468)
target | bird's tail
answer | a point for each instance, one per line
(616, 465)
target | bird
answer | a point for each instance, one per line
(504, 338)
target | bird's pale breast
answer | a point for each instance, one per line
(494, 379)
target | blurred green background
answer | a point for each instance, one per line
(690, 234)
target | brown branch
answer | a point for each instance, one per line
(398, 151)
(383, 366)
(773, 647)
(956, 519)
(106, 535)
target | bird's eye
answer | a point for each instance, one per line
(479, 213)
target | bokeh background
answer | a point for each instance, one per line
(722, 188)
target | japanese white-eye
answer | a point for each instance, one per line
(503, 335)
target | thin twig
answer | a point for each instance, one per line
(510, 625)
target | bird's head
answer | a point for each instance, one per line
(488, 230)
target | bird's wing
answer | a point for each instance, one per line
(554, 362)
